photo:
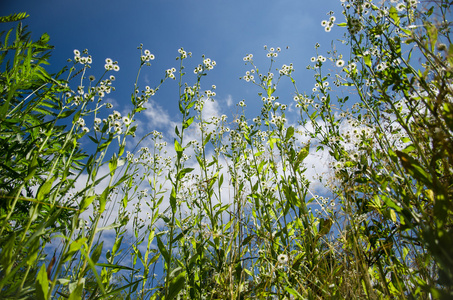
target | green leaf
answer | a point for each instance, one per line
(206, 140)
(324, 226)
(86, 201)
(103, 199)
(109, 227)
(163, 250)
(97, 252)
(113, 163)
(32, 253)
(293, 292)
(117, 245)
(14, 17)
(32, 168)
(173, 199)
(390, 203)
(183, 172)
(187, 123)
(6, 258)
(74, 247)
(414, 169)
(393, 13)
(76, 290)
(272, 141)
(303, 153)
(42, 284)
(176, 285)
(44, 189)
(289, 133)
(247, 239)
(178, 149)
(432, 34)
(342, 24)
(367, 59)
(119, 267)
(392, 215)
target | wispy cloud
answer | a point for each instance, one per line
(157, 116)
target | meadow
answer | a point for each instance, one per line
(92, 208)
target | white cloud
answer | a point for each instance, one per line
(156, 116)
(229, 100)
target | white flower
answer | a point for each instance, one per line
(76, 52)
(126, 120)
(282, 259)
(340, 63)
(400, 6)
(81, 122)
(116, 114)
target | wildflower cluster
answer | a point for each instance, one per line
(286, 70)
(208, 64)
(84, 60)
(278, 121)
(111, 65)
(210, 93)
(248, 57)
(268, 100)
(318, 60)
(147, 56)
(183, 53)
(328, 24)
(169, 73)
(114, 122)
(105, 87)
(190, 90)
(272, 52)
(81, 123)
(354, 25)
(149, 91)
(249, 76)
(326, 205)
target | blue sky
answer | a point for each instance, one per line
(225, 31)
